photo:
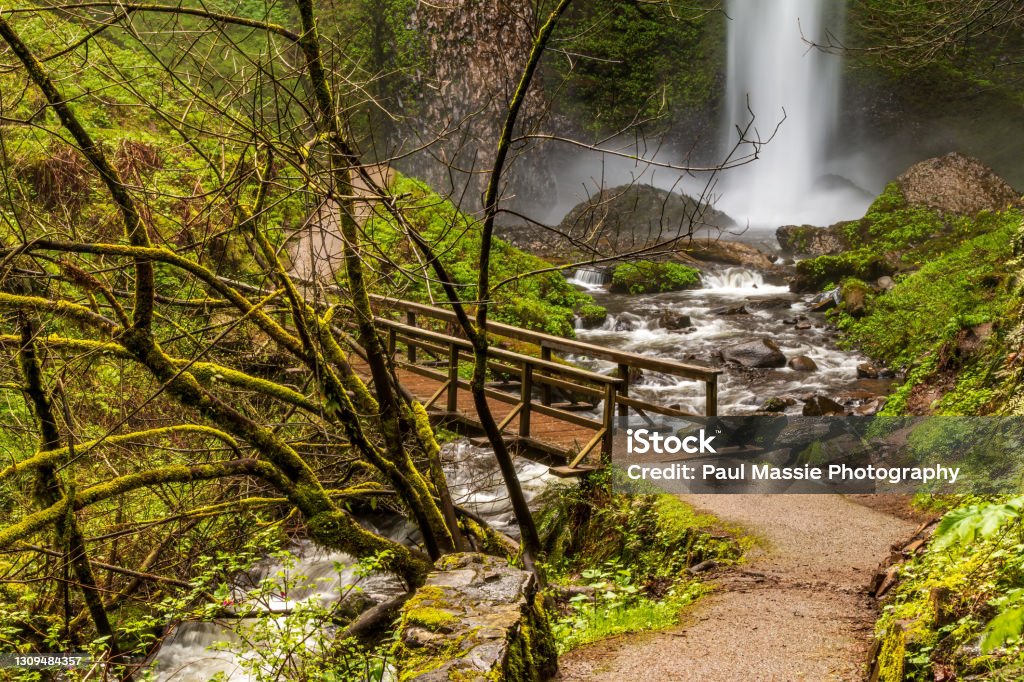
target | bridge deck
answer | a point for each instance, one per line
(550, 410)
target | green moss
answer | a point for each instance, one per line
(650, 277)
(592, 315)
(433, 619)
(960, 289)
(823, 272)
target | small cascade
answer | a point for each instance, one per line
(590, 278)
(740, 281)
(197, 651)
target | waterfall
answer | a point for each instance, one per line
(740, 281)
(590, 278)
(773, 69)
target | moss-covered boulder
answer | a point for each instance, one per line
(632, 216)
(816, 274)
(650, 277)
(854, 297)
(475, 618)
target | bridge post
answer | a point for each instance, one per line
(453, 378)
(545, 390)
(624, 391)
(711, 396)
(609, 422)
(410, 319)
(526, 395)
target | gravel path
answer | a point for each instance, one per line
(796, 610)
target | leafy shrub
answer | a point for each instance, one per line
(649, 277)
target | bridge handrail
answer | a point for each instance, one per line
(557, 343)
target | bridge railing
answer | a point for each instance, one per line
(432, 345)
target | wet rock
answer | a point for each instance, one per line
(870, 407)
(770, 304)
(624, 324)
(825, 301)
(802, 363)
(778, 404)
(868, 370)
(674, 321)
(955, 183)
(821, 406)
(789, 320)
(803, 325)
(731, 310)
(762, 353)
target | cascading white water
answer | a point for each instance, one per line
(589, 278)
(741, 281)
(793, 90)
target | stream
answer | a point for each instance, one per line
(734, 305)
(195, 651)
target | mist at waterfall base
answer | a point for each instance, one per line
(785, 90)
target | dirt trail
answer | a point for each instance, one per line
(797, 610)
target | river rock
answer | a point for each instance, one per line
(763, 353)
(485, 610)
(731, 310)
(802, 363)
(955, 183)
(770, 304)
(674, 321)
(778, 404)
(820, 406)
(825, 301)
(868, 370)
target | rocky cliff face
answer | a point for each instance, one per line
(475, 51)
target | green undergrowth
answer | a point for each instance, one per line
(624, 558)
(958, 610)
(943, 323)
(543, 302)
(893, 237)
(651, 277)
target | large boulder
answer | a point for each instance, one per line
(475, 618)
(762, 353)
(955, 183)
(632, 216)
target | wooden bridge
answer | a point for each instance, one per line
(551, 410)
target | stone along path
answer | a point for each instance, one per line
(797, 609)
